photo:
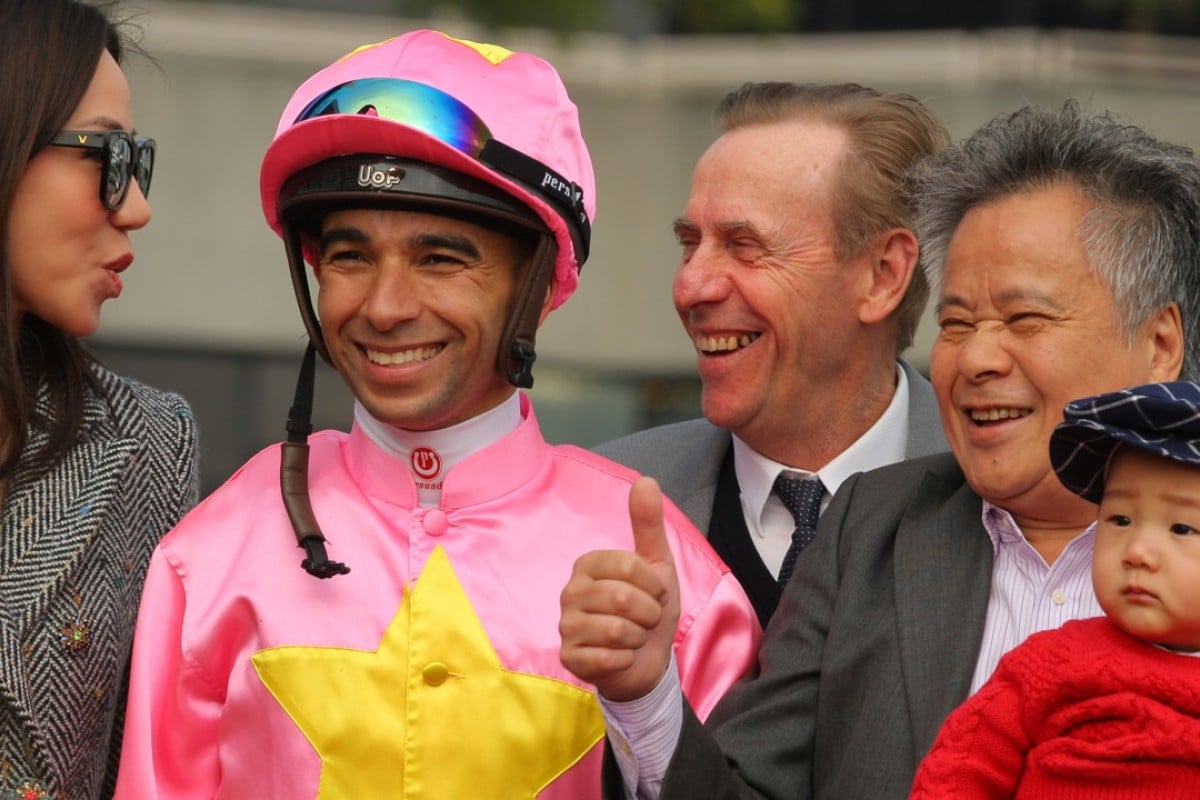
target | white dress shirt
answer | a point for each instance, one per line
(769, 522)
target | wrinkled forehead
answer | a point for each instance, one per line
(1022, 247)
(794, 156)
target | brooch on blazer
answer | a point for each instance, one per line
(75, 635)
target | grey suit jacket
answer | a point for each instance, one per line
(874, 643)
(74, 550)
(685, 457)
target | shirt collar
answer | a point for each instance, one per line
(1002, 528)
(883, 443)
(451, 445)
(493, 471)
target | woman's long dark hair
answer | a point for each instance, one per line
(49, 50)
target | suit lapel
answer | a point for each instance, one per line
(49, 523)
(943, 578)
(698, 506)
(696, 479)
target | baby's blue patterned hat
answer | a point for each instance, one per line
(1162, 418)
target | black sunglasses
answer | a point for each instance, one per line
(124, 157)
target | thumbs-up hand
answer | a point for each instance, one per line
(620, 608)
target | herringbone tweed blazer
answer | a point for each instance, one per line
(73, 554)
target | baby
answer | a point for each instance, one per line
(1107, 707)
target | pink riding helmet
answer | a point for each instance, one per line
(518, 97)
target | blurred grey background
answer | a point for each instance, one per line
(208, 309)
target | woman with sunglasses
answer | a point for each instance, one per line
(94, 468)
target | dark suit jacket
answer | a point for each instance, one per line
(73, 554)
(874, 643)
(685, 457)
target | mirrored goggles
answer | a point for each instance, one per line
(124, 157)
(447, 119)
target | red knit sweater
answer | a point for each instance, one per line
(1085, 711)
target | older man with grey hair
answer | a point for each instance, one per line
(1064, 250)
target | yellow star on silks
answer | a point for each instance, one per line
(431, 713)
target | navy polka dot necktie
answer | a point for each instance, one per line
(802, 496)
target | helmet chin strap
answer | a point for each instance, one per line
(299, 271)
(293, 477)
(516, 356)
(293, 458)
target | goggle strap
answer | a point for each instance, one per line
(566, 195)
